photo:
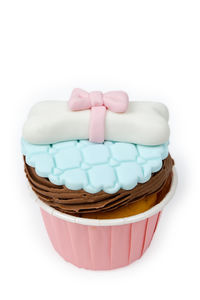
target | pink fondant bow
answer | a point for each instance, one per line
(116, 101)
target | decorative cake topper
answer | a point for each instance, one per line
(115, 101)
(144, 123)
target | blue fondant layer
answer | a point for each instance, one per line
(95, 167)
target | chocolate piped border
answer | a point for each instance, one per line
(80, 202)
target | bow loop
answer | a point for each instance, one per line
(116, 101)
(79, 100)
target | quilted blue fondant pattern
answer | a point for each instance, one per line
(95, 167)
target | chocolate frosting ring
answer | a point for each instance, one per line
(80, 202)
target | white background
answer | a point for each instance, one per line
(151, 49)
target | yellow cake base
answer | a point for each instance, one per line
(132, 209)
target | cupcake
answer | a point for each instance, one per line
(101, 172)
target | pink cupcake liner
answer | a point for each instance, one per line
(100, 247)
(103, 244)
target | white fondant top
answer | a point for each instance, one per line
(143, 123)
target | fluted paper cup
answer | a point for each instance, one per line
(103, 244)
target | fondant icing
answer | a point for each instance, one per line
(143, 123)
(95, 167)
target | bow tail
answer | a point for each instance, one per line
(97, 124)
